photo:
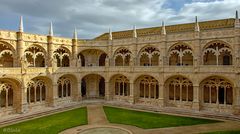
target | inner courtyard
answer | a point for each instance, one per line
(191, 67)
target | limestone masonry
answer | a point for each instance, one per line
(193, 66)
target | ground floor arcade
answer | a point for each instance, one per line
(214, 93)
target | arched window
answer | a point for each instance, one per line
(217, 53)
(149, 87)
(6, 95)
(64, 87)
(36, 91)
(122, 86)
(181, 55)
(149, 56)
(35, 57)
(180, 89)
(122, 57)
(217, 90)
(62, 56)
(6, 56)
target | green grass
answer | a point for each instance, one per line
(225, 132)
(51, 124)
(149, 120)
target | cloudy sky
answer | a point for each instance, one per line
(94, 17)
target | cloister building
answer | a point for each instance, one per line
(194, 66)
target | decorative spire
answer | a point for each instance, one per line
(197, 28)
(21, 24)
(163, 29)
(237, 23)
(110, 34)
(51, 30)
(75, 34)
(134, 32)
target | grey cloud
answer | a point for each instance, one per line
(93, 17)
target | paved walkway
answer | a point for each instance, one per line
(97, 118)
(96, 115)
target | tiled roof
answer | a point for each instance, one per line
(206, 25)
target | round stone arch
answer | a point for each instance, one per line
(147, 87)
(36, 57)
(217, 52)
(9, 45)
(178, 88)
(68, 86)
(148, 55)
(122, 58)
(48, 89)
(179, 43)
(217, 41)
(7, 54)
(217, 89)
(119, 85)
(87, 48)
(14, 95)
(93, 85)
(180, 54)
(166, 78)
(146, 46)
(92, 57)
(62, 55)
(36, 45)
(202, 78)
(119, 48)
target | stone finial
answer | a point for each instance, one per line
(21, 24)
(51, 30)
(110, 34)
(134, 32)
(75, 34)
(163, 32)
(197, 28)
(237, 23)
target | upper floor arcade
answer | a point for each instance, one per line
(215, 43)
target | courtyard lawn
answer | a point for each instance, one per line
(149, 120)
(51, 124)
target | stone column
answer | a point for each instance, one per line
(107, 91)
(132, 93)
(22, 102)
(236, 100)
(196, 97)
(78, 94)
(50, 51)
(161, 94)
(74, 53)
(20, 48)
(53, 95)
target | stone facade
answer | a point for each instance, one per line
(188, 66)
